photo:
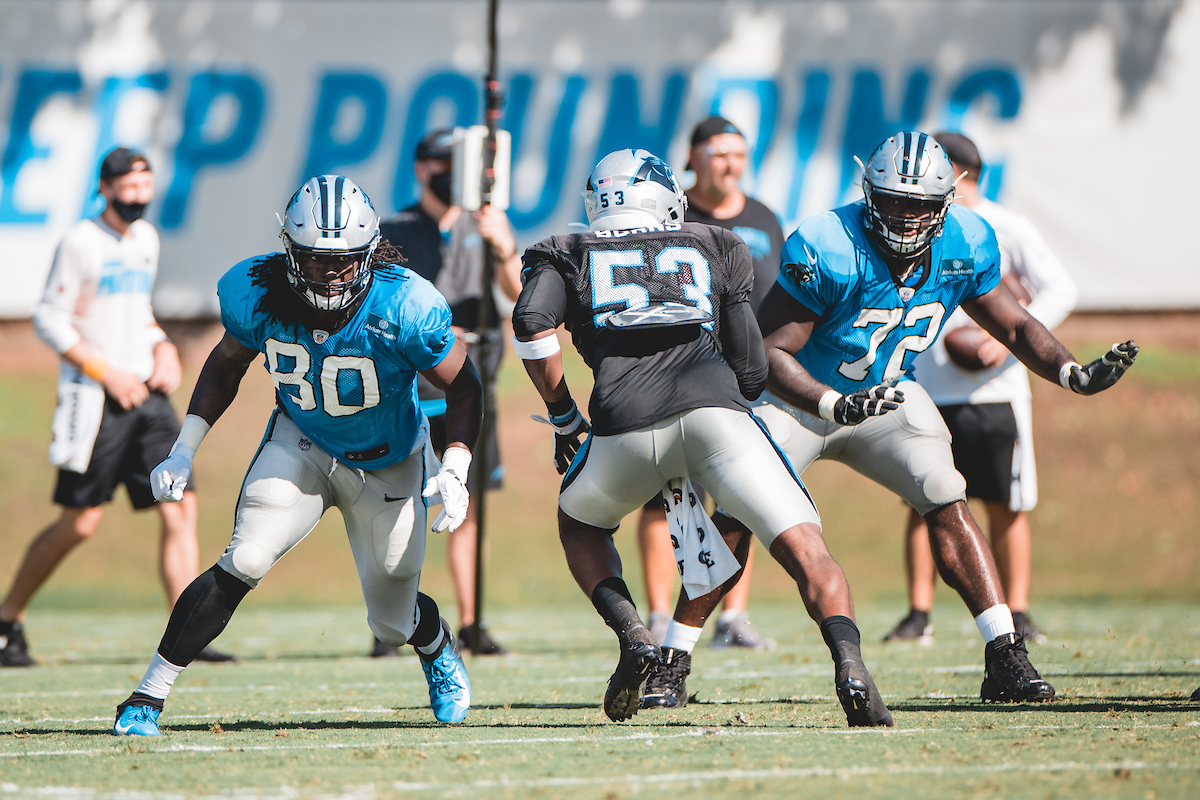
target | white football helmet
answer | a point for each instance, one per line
(330, 216)
(632, 189)
(908, 183)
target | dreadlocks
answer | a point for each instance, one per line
(282, 304)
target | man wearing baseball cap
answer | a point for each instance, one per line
(114, 421)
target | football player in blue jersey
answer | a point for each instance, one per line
(862, 290)
(344, 330)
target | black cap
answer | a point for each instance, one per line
(122, 161)
(962, 151)
(436, 146)
(711, 127)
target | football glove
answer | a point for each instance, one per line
(856, 407)
(169, 480)
(449, 488)
(569, 432)
(1103, 372)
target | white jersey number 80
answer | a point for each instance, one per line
(305, 398)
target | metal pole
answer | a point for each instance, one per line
(489, 333)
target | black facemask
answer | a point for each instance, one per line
(130, 212)
(440, 186)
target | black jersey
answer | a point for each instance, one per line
(759, 228)
(645, 374)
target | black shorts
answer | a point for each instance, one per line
(985, 438)
(437, 437)
(128, 445)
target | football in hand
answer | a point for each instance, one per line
(963, 345)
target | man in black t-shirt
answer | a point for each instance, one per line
(659, 309)
(445, 245)
(717, 157)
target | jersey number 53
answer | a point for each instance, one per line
(606, 292)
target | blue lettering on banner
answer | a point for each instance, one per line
(1000, 84)
(808, 131)
(194, 152)
(623, 126)
(558, 151)
(758, 241)
(767, 94)
(867, 123)
(34, 88)
(462, 92)
(107, 104)
(326, 152)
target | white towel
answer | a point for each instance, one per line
(704, 560)
(76, 420)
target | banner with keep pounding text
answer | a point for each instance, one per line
(1084, 111)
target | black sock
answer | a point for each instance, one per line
(611, 598)
(7, 627)
(842, 637)
(200, 614)
(139, 699)
(920, 616)
(429, 622)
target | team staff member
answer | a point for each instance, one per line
(717, 157)
(989, 411)
(114, 421)
(445, 246)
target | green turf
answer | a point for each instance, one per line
(306, 715)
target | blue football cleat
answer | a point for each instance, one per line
(137, 721)
(449, 686)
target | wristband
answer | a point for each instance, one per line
(95, 367)
(155, 334)
(458, 461)
(826, 404)
(191, 434)
(537, 349)
(1064, 374)
(561, 410)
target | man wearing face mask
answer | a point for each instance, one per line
(114, 421)
(445, 245)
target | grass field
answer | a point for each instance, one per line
(304, 716)
(1116, 583)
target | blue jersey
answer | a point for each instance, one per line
(351, 392)
(871, 330)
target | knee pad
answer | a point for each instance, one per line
(943, 486)
(250, 562)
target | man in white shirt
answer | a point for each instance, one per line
(114, 422)
(988, 409)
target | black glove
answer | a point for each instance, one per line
(570, 429)
(851, 409)
(1103, 372)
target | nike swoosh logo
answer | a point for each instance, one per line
(390, 499)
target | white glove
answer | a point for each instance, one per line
(170, 478)
(449, 488)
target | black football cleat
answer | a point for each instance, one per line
(487, 645)
(1008, 677)
(14, 650)
(214, 656)
(1196, 695)
(1029, 632)
(860, 699)
(913, 628)
(623, 697)
(666, 685)
(381, 650)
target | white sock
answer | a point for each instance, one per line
(996, 621)
(727, 617)
(436, 644)
(682, 637)
(159, 676)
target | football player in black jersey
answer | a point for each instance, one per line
(659, 309)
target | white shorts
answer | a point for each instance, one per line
(290, 485)
(727, 452)
(906, 450)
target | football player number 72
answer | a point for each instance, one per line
(607, 292)
(888, 319)
(331, 367)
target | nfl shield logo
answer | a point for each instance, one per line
(320, 336)
(305, 444)
(906, 294)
